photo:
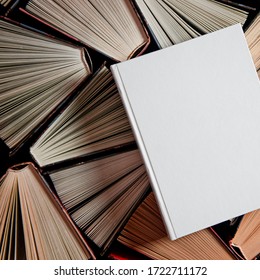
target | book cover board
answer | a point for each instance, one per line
(194, 109)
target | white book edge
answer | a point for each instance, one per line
(149, 168)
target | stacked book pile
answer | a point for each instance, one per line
(74, 181)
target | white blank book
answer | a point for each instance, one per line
(195, 111)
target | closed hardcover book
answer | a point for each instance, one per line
(194, 109)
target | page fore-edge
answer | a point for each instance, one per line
(149, 168)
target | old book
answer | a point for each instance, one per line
(37, 73)
(111, 27)
(95, 120)
(194, 109)
(253, 40)
(175, 21)
(100, 195)
(33, 224)
(246, 241)
(146, 234)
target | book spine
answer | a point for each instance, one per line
(86, 59)
(237, 251)
(165, 215)
(143, 18)
(140, 49)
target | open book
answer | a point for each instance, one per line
(175, 21)
(94, 121)
(246, 241)
(38, 73)
(111, 27)
(101, 195)
(33, 224)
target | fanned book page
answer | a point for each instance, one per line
(111, 27)
(32, 223)
(146, 234)
(175, 21)
(247, 237)
(94, 121)
(101, 195)
(253, 40)
(37, 73)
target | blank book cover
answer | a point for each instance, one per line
(195, 112)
